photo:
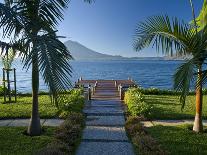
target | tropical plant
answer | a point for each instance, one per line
(136, 104)
(201, 20)
(7, 60)
(169, 35)
(33, 26)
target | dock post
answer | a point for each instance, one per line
(115, 83)
(121, 92)
(89, 92)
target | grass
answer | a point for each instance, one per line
(13, 141)
(179, 140)
(169, 107)
(23, 107)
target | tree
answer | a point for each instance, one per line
(174, 36)
(33, 25)
(7, 61)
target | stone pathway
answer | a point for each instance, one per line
(25, 122)
(104, 133)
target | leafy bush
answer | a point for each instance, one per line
(73, 101)
(67, 136)
(136, 104)
(143, 143)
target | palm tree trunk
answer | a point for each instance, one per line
(198, 126)
(34, 128)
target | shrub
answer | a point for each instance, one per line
(143, 143)
(136, 104)
(67, 136)
(73, 101)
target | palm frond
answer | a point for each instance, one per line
(167, 35)
(10, 20)
(52, 10)
(183, 78)
(53, 62)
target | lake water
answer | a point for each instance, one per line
(146, 73)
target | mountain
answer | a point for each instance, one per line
(80, 52)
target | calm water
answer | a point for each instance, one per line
(146, 73)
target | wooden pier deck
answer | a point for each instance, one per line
(106, 89)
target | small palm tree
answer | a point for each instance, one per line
(7, 61)
(174, 36)
(33, 24)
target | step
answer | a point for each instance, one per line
(105, 120)
(105, 148)
(104, 133)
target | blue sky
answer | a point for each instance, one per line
(108, 26)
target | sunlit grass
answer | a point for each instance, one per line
(23, 107)
(169, 107)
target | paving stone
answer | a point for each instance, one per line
(21, 122)
(53, 122)
(103, 110)
(105, 120)
(5, 122)
(105, 133)
(104, 103)
(105, 148)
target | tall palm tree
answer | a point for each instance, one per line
(173, 36)
(33, 25)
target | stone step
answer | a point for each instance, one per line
(105, 120)
(105, 148)
(104, 133)
(105, 114)
(104, 103)
(103, 110)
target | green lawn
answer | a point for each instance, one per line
(13, 141)
(179, 140)
(23, 107)
(168, 107)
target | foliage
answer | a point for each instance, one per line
(8, 59)
(142, 142)
(169, 35)
(136, 104)
(73, 101)
(67, 136)
(202, 18)
(14, 141)
(179, 139)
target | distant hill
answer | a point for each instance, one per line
(80, 52)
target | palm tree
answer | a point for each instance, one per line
(7, 61)
(33, 24)
(173, 36)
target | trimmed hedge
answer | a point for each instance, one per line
(136, 104)
(143, 143)
(67, 136)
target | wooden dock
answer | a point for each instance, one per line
(106, 89)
